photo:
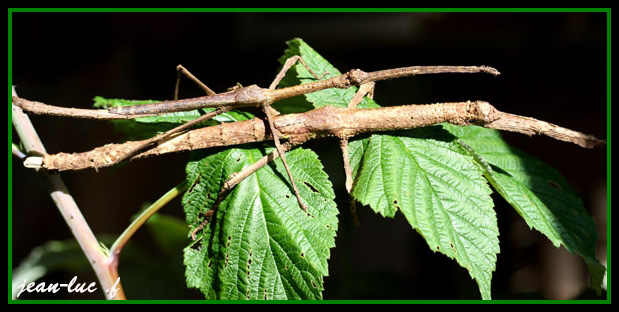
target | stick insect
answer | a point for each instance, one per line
(257, 97)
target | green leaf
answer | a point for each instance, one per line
(168, 232)
(175, 118)
(298, 74)
(260, 244)
(146, 127)
(103, 103)
(440, 191)
(422, 173)
(538, 192)
(436, 176)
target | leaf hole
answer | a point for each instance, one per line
(311, 187)
(287, 195)
(302, 255)
(313, 284)
(395, 202)
(554, 185)
(193, 184)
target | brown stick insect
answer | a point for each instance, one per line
(251, 96)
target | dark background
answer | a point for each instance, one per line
(553, 67)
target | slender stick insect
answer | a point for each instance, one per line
(256, 96)
(251, 96)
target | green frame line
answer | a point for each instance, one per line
(338, 10)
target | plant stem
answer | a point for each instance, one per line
(122, 240)
(67, 206)
(17, 152)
